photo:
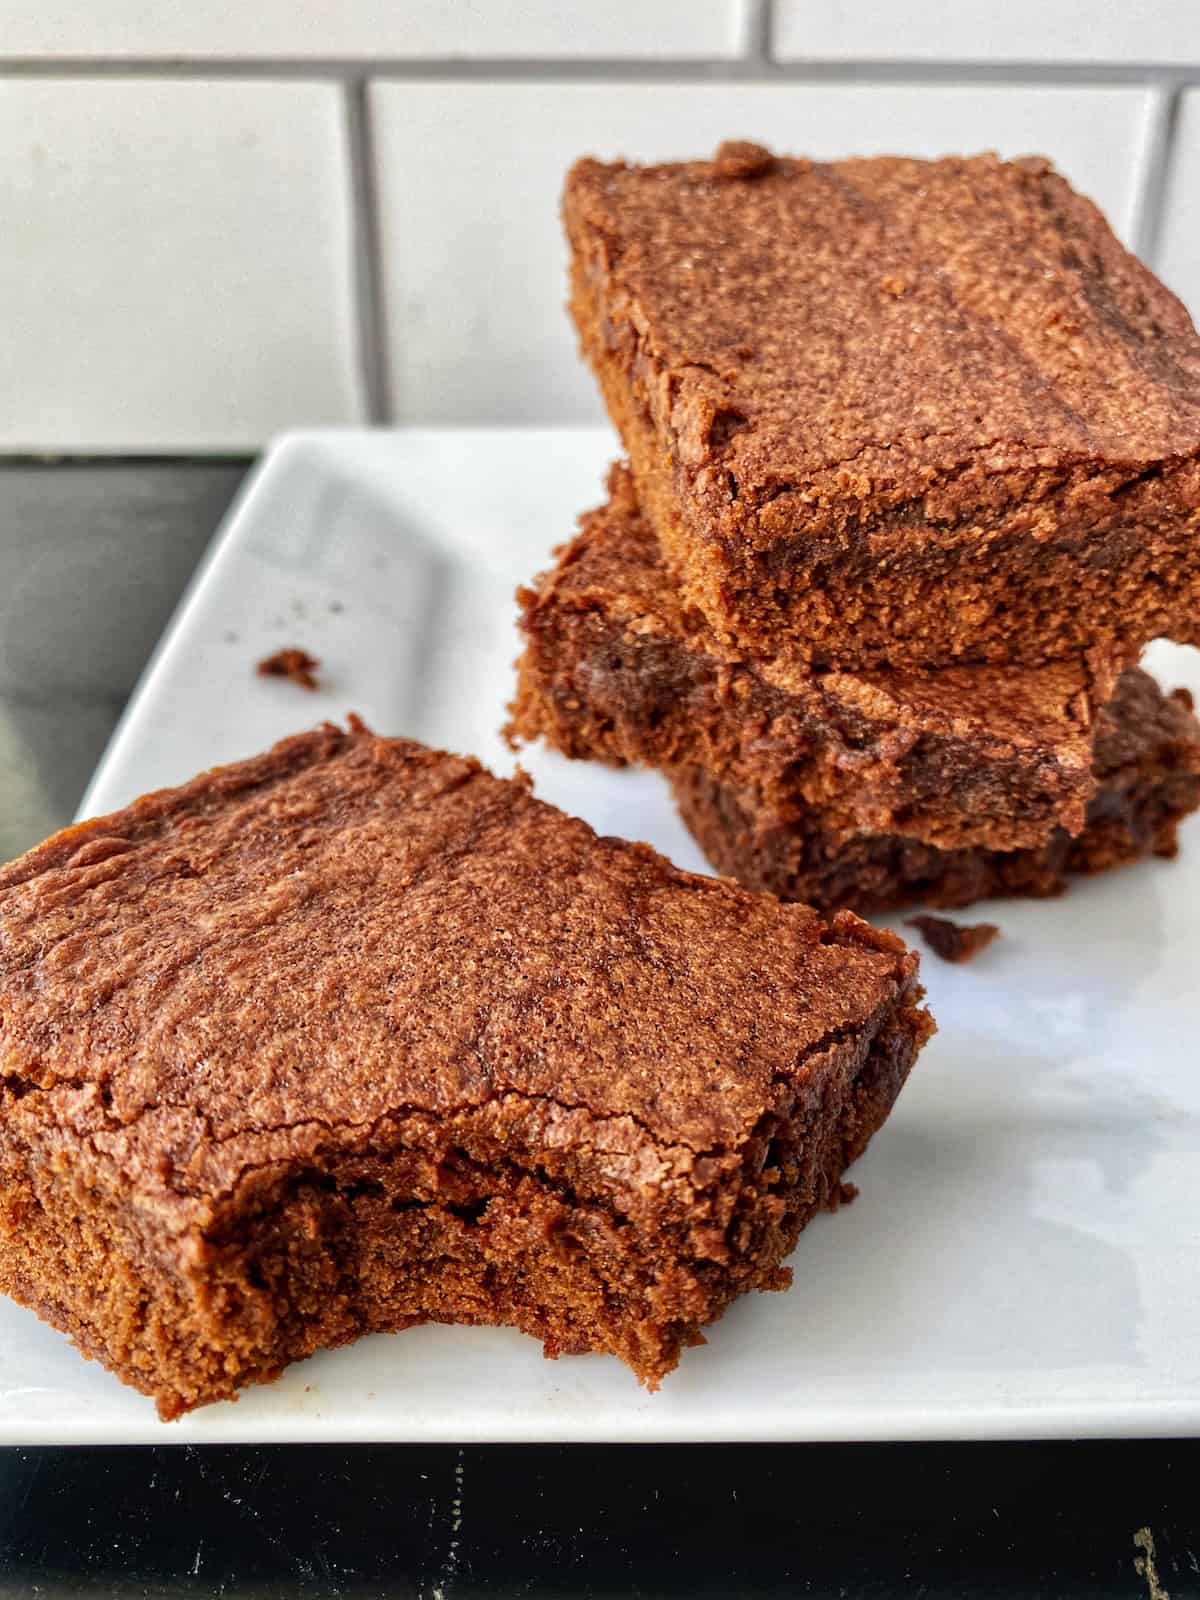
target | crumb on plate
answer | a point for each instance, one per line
(292, 663)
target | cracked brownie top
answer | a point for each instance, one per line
(888, 327)
(349, 929)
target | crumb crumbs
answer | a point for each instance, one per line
(954, 941)
(291, 663)
(1146, 1565)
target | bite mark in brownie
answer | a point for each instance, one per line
(1148, 779)
(617, 668)
(892, 412)
(354, 1035)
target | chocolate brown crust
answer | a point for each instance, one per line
(1148, 774)
(354, 1035)
(895, 412)
(616, 668)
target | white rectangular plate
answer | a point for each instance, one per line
(1022, 1258)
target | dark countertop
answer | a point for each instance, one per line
(93, 558)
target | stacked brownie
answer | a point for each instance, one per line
(914, 475)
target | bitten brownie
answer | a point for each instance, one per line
(893, 412)
(615, 668)
(1148, 779)
(354, 1036)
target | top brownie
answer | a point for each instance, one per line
(895, 412)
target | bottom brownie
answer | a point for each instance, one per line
(1147, 766)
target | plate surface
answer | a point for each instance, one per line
(1021, 1260)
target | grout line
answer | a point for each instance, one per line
(369, 315)
(756, 31)
(1156, 172)
(752, 68)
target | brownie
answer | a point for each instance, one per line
(892, 412)
(354, 1036)
(1148, 778)
(616, 668)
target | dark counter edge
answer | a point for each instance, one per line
(938, 1520)
(94, 556)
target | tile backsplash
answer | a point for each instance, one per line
(1050, 31)
(373, 30)
(222, 221)
(176, 265)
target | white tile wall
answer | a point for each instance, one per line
(1179, 248)
(176, 267)
(473, 260)
(221, 219)
(984, 30)
(376, 29)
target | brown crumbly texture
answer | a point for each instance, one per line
(957, 942)
(292, 663)
(354, 1036)
(1148, 780)
(891, 412)
(615, 668)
